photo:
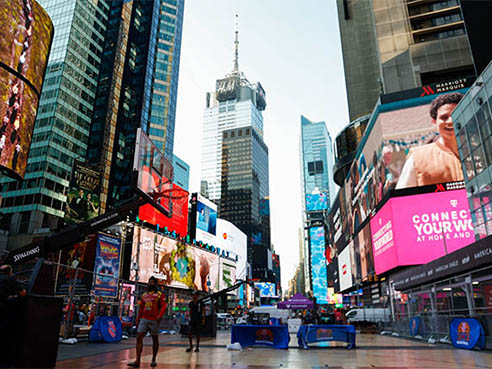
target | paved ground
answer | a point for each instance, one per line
(372, 352)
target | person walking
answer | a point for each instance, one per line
(151, 310)
(197, 320)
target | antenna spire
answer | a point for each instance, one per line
(236, 51)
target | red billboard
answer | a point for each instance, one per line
(178, 221)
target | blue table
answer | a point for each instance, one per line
(276, 336)
(322, 333)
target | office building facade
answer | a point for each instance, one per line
(235, 103)
(244, 193)
(473, 127)
(61, 131)
(395, 45)
(318, 192)
(181, 173)
(137, 89)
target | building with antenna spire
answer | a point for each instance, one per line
(235, 161)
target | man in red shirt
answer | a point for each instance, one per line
(151, 309)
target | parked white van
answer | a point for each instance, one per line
(369, 315)
(273, 311)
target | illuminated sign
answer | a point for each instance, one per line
(417, 229)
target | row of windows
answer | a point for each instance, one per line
(33, 199)
(437, 21)
(439, 35)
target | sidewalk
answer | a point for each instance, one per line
(84, 349)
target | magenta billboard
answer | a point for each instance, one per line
(417, 229)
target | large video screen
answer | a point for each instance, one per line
(417, 229)
(410, 144)
(206, 220)
(267, 289)
(316, 201)
(318, 264)
(26, 32)
(173, 262)
(365, 252)
(178, 221)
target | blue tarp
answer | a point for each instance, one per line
(322, 333)
(276, 336)
(467, 333)
(106, 329)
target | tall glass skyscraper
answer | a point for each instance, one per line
(317, 160)
(318, 191)
(137, 89)
(235, 103)
(113, 68)
(64, 117)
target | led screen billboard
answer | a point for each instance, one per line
(26, 32)
(173, 262)
(408, 143)
(334, 298)
(345, 269)
(319, 280)
(206, 220)
(83, 194)
(316, 201)
(178, 221)
(230, 238)
(365, 252)
(267, 289)
(417, 229)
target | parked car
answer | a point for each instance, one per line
(224, 320)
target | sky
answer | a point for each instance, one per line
(293, 49)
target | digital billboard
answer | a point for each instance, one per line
(267, 289)
(417, 229)
(107, 266)
(230, 238)
(334, 298)
(26, 32)
(345, 269)
(173, 262)
(316, 201)
(83, 194)
(206, 220)
(319, 280)
(408, 143)
(178, 221)
(365, 252)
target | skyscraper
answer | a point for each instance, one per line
(235, 161)
(317, 162)
(63, 121)
(181, 173)
(113, 68)
(318, 192)
(244, 187)
(390, 46)
(235, 103)
(137, 89)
